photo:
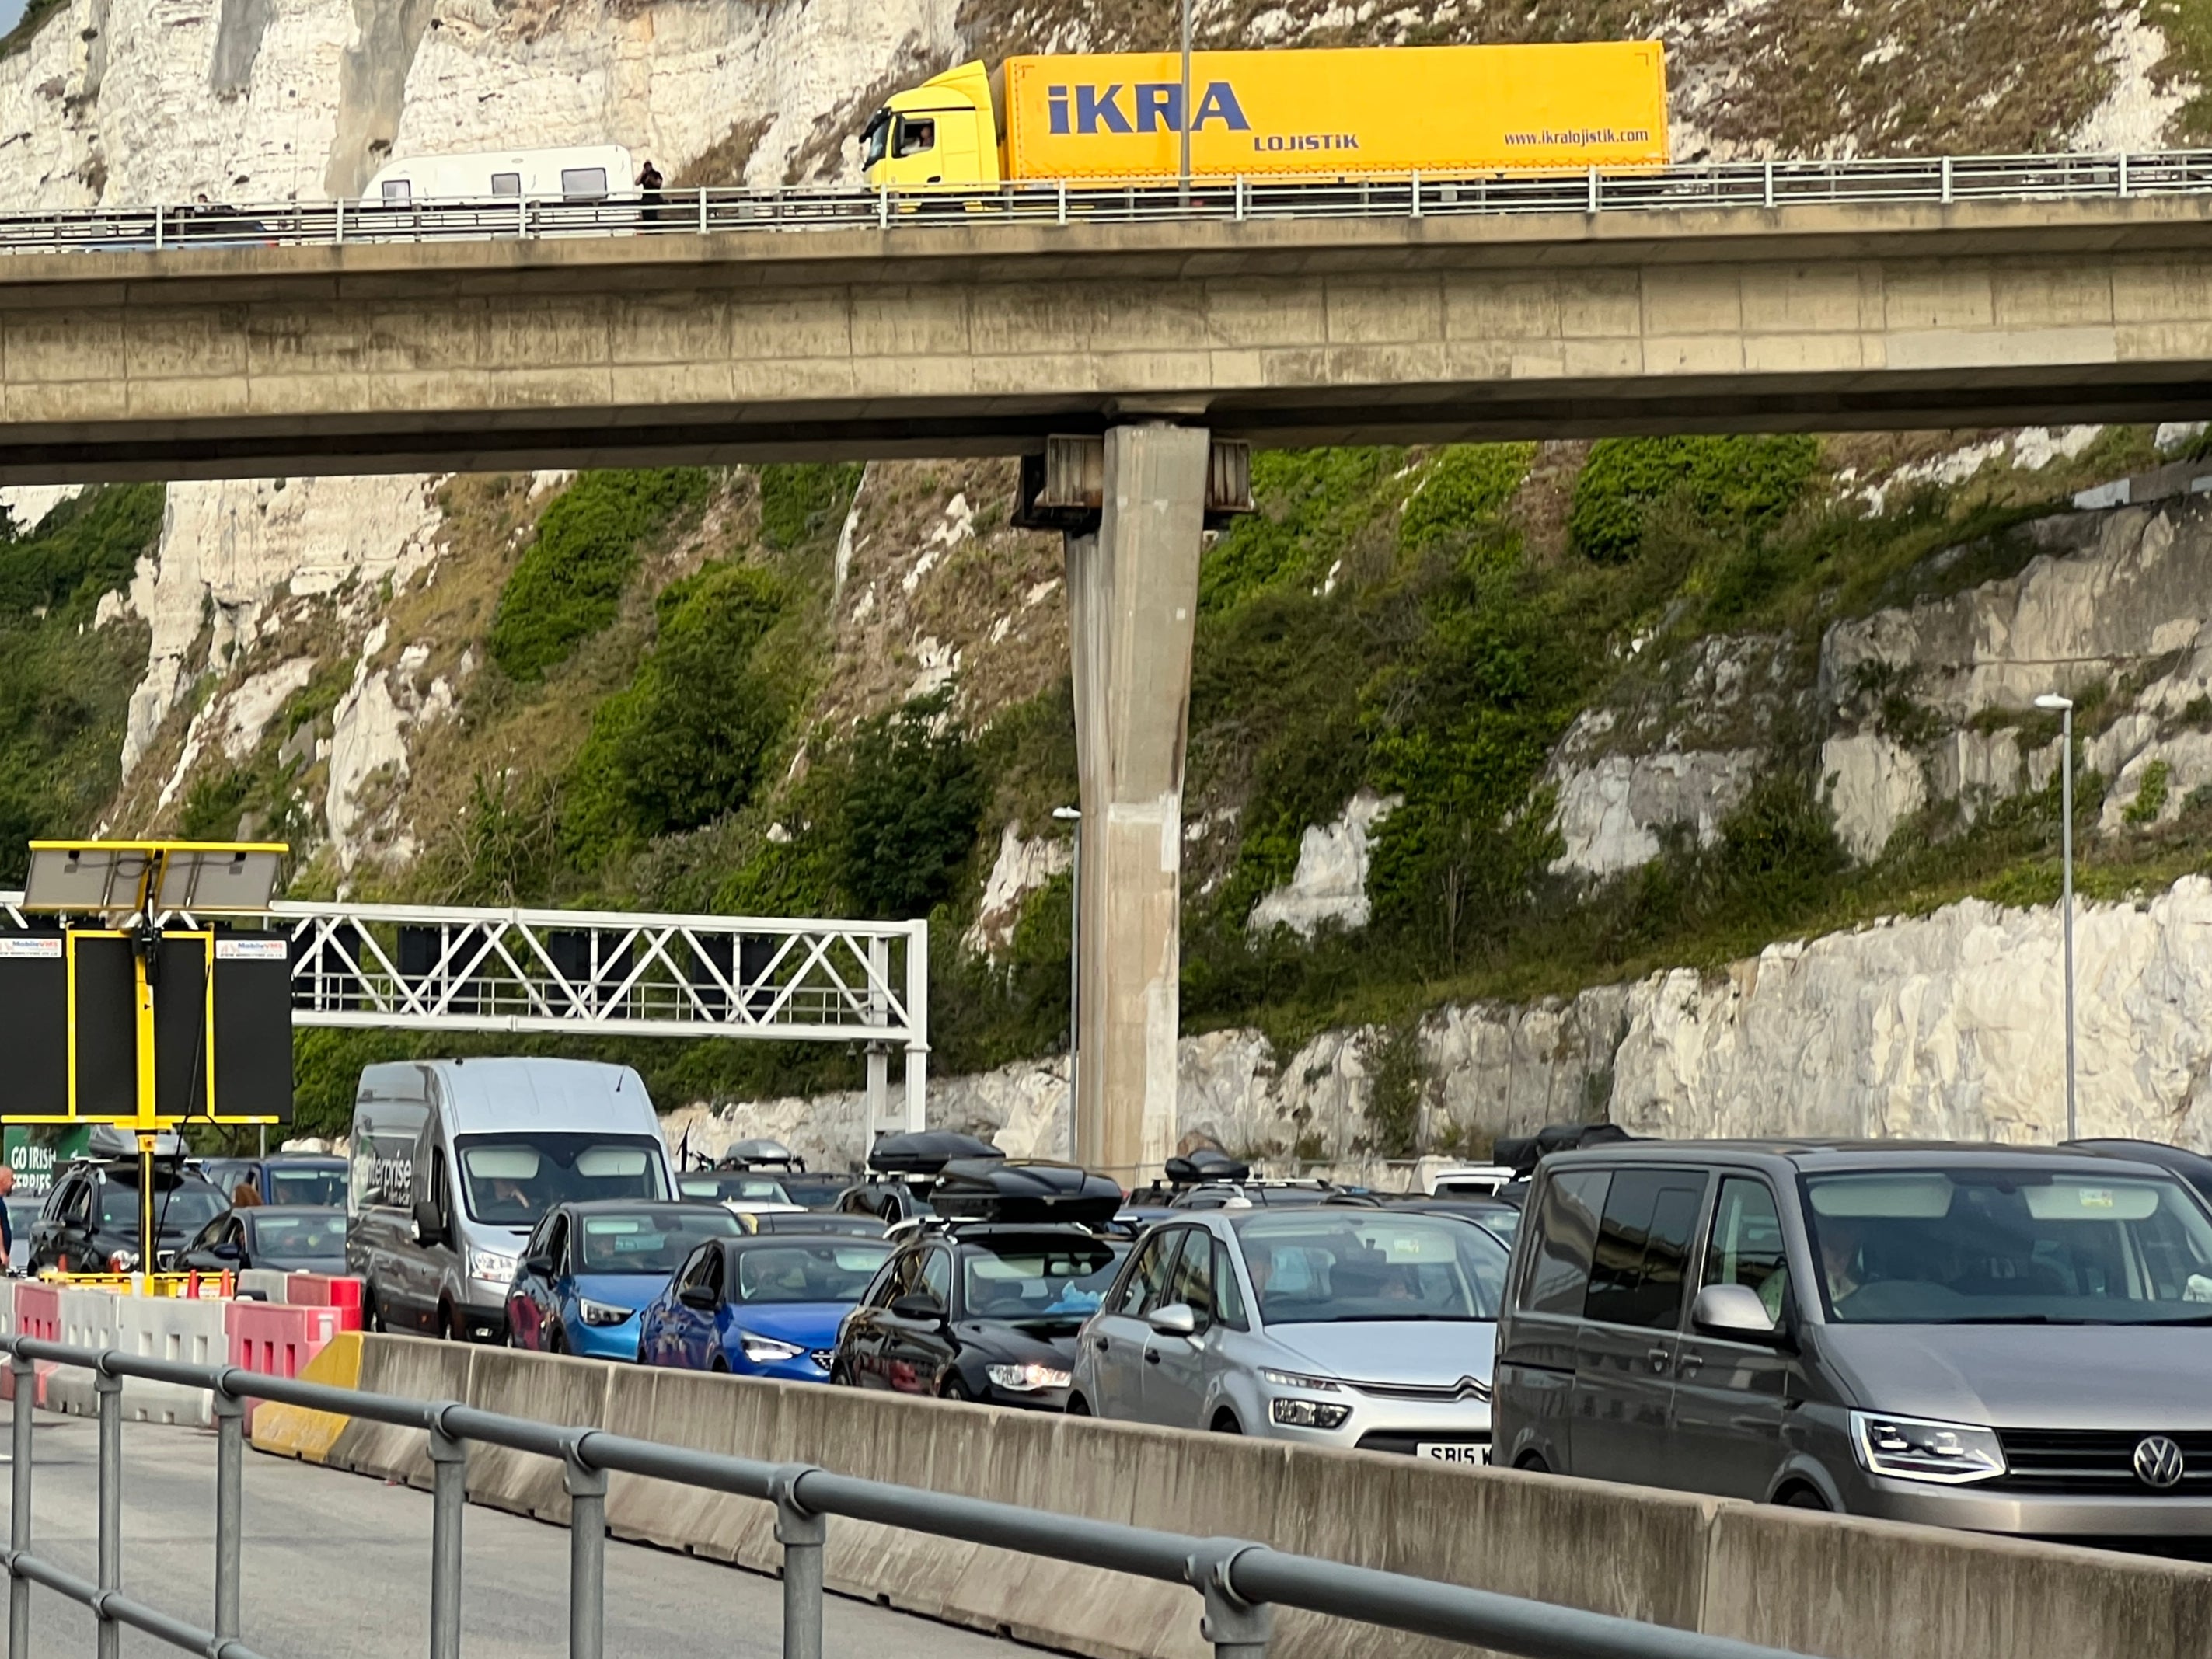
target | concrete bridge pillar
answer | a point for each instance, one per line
(1132, 600)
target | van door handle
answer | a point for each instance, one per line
(1657, 1357)
(1690, 1362)
(1100, 1343)
(1152, 1356)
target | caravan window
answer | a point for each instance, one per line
(513, 1180)
(583, 181)
(397, 190)
(506, 184)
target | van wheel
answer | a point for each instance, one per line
(1533, 1464)
(449, 1324)
(1803, 1498)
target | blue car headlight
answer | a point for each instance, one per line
(766, 1350)
(601, 1313)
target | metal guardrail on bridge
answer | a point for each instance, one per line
(1894, 180)
(1240, 1582)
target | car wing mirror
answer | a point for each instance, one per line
(919, 1305)
(226, 1251)
(540, 1265)
(696, 1296)
(1734, 1311)
(1176, 1319)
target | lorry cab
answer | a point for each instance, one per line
(453, 1164)
(944, 132)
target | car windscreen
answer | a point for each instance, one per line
(875, 139)
(1055, 1280)
(745, 1189)
(300, 1234)
(511, 1180)
(651, 1241)
(189, 1206)
(2009, 1246)
(1320, 1267)
(817, 1270)
(304, 1186)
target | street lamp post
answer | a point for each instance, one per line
(1074, 815)
(2063, 707)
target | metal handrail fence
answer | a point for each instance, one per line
(1941, 180)
(1239, 1581)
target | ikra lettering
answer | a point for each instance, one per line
(1140, 107)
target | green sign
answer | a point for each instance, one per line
(32, 1154)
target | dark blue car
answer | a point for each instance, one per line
(768, 1305)
(590, 1266)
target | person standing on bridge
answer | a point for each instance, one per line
(649, 181)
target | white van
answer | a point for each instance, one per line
(455, 1161)
(582, 172)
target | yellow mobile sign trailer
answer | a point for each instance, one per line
(1439, 110)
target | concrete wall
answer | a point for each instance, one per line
(1817, 1584)
(981, 337)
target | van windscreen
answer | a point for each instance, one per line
(511, 1180)
(1994, 1246)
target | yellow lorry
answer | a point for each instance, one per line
(1282, 115)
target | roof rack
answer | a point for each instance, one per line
(762, 1155)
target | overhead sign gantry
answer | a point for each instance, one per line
(143, 1003)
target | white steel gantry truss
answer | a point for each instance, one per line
(612, 973)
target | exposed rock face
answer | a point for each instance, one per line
(2115, 606)
(1948, 1026)
(1673, 749)
(1024, 865)
(1329, 886)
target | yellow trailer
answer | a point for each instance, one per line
(1335, 113)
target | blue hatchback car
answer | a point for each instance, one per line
(768, 1305)
(589, 1266)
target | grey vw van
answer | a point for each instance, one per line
(454, 1161)
(2003, 1339)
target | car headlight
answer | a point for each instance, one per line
(766, 1350)
(1911, 1449)
(494, 1265)
(1027, 1379)
(600, 1313)
(1293, 1380)
(1307, 1413)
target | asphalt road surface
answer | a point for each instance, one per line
(337, 1567)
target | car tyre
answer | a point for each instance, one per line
(954, 1389)
(556, 1337)
(840, 1374)
(1804, 1497)
(1533, 1464)
(449, 1324)
(1225, 1423)
(1078, 1406)
(719, 1365)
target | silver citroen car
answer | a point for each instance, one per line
(1329, 1325)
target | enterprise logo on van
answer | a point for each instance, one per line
(1152, 106)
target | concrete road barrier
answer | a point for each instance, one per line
(1815, 1584)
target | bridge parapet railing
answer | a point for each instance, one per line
(1239, 1582)
(1779, 183)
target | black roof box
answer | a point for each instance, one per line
(1520, 1154)
(1206, 1164)
(925, 1152)
(996, 1189)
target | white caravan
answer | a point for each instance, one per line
(583, 172)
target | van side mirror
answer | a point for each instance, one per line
(1734, 1311)
(429, 1228)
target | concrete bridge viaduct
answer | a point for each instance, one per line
(970, 339)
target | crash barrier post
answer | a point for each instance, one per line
(1239, 1581)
